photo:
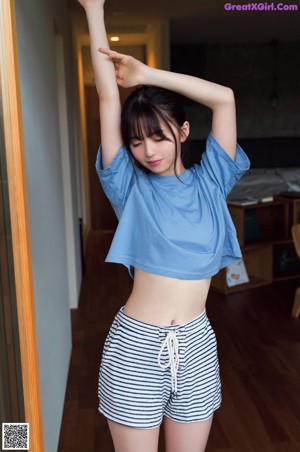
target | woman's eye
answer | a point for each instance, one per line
(136, 144)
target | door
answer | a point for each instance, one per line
(18, 346)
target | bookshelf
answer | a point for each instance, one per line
(293, 201)
(263, 231)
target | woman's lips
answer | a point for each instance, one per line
(154, 162)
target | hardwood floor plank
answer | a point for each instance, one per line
(219, 440)
(242, 423)
(85, 430)
(69, 427)
(259, 398)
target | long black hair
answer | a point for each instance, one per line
(143, 113)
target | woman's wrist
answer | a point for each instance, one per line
(92, 8)
(148, 75)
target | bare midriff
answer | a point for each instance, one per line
(163, 301)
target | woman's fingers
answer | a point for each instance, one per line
(87, 3)
(126, 67)
(104, 50)
(111, 54)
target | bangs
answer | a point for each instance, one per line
(144, 121)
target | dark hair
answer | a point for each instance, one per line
(145, 110)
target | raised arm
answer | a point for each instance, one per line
(220, 99)
(106, 84)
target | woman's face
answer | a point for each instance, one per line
(157, 152)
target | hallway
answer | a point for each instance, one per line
(259, 357)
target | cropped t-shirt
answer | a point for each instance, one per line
(179, 229)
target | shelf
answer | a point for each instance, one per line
(259, 205)
(284, 278)
(293, 207)
(255, 223)
(262, 244)
(263, 232)
(219, 283)
(286, 263)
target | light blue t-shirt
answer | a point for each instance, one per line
(170, 228)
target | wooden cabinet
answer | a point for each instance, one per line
(263, 232)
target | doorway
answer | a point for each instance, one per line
(20, 372)
(11, 392)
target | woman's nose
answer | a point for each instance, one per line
(149, 149)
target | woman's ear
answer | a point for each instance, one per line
(184, 131)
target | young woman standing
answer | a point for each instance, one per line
(160, 357)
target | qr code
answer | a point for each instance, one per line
(15, 436)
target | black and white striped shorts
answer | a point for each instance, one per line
(149, 371)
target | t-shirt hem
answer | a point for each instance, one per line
(131, 263)
(228, 260)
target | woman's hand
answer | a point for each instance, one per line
(88, 3)
(129, 71)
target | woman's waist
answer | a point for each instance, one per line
(166, 301)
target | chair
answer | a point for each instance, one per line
(296, 240)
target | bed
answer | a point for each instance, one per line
(275, 166)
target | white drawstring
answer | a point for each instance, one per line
(171, 342)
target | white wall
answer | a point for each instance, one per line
(39, 94)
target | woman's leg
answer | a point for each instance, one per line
(183, 437)
(130, 439)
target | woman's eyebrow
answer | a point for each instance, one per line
(158, 132)
(135, 137)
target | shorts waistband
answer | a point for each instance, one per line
(195, 324)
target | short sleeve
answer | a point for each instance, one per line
(117, 178)
(219, 167)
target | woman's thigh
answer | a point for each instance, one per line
(182, 437)
(130, 439)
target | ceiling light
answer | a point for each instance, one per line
(114, 38)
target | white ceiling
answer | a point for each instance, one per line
(205, 21)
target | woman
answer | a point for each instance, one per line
(160, 357)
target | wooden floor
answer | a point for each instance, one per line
(259, 352)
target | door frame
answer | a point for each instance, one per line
(18, 202)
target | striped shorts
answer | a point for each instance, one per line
(149, 371)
